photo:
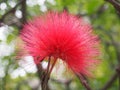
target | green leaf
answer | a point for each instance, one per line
(10, 37)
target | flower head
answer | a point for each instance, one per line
(64, 36)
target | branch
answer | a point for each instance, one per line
(101, 9)
(84, 81)
(117, 73)
(23, 9)
(113, 78)
(116, 4)
(42, 74)
(10, 11)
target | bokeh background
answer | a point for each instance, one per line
(103, 15)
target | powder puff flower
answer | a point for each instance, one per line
(64, 36)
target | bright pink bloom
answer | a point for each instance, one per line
(63, 36)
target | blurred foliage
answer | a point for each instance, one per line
(105, 21)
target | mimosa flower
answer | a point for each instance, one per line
(64, 36)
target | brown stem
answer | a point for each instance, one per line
(84, 82)
(42, 73)
(48, 67)
(44, 82)
(110, 82)
(116, 4)
(113, 78)
(46, 75)
(52, 67)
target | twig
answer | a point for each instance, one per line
(10, 11)
(48, 67)
(96, 14)
(113, 78)
(110, 82)
(116, 4)
(83, 81)
(116, 74)
(52, 67)
(23, 9)
(46, 76)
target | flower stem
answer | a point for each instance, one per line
(84, 82)
(46, 75)
(52, 66)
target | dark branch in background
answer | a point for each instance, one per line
(116, 75)
(23, 9)
(102, 8)
(110, 82)
(12, 10)
(113, 78)
(116, 4)
(14, 20)
(84, 81)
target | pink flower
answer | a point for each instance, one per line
(63, 36)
